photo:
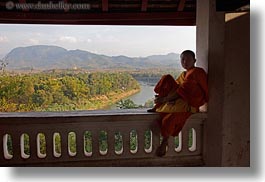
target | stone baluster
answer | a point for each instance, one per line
(4, 148)
(50, 145)
(33, 145)
(80, 144)
(179, 147)
(95, 144)
(125, 132)
(111, 143)
(16, 146)
(155, 142)
(64, 145)
(199, 137)
(140, 142)
(185, 141)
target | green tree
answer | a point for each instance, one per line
(61, 91)
(127, 104)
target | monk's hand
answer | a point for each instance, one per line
(161, 100)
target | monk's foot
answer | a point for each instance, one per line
(152, 110)
(162, 149)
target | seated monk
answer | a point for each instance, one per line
(177, 99)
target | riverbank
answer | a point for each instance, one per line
(105, 101)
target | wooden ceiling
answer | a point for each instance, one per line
(104, 12)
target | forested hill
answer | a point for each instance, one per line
(44, 57)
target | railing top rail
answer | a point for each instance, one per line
(76, 113)
(84, 116)
(76, 116)
(84, 113)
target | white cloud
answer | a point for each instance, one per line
(106, 38)
(3, 39)
(89, 40)
(34, 41)
(38, 34)
(68, 39)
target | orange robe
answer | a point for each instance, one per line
(192, 88)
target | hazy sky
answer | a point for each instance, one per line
(131, 41)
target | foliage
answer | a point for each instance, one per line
(127, 104)
(61, 91)
(151, 77)
(149, 103)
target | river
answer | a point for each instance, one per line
(146, 93)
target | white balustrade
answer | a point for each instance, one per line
(73, 139)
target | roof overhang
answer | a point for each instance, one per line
(175, 18)
(109, 12)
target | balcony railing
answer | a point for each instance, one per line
(95, 138)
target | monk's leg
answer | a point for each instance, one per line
(166, 132)
(170, 125)
(165, 85)
(162, 149)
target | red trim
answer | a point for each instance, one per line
(105, 5)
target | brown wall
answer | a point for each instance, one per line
(210, 52)
(236, 116)
(223, 47)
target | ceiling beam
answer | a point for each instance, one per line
(144, 5)
(181, 5)
(105, 5)
(166, 18)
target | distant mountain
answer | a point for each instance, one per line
(53, 57)
(1, 56)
